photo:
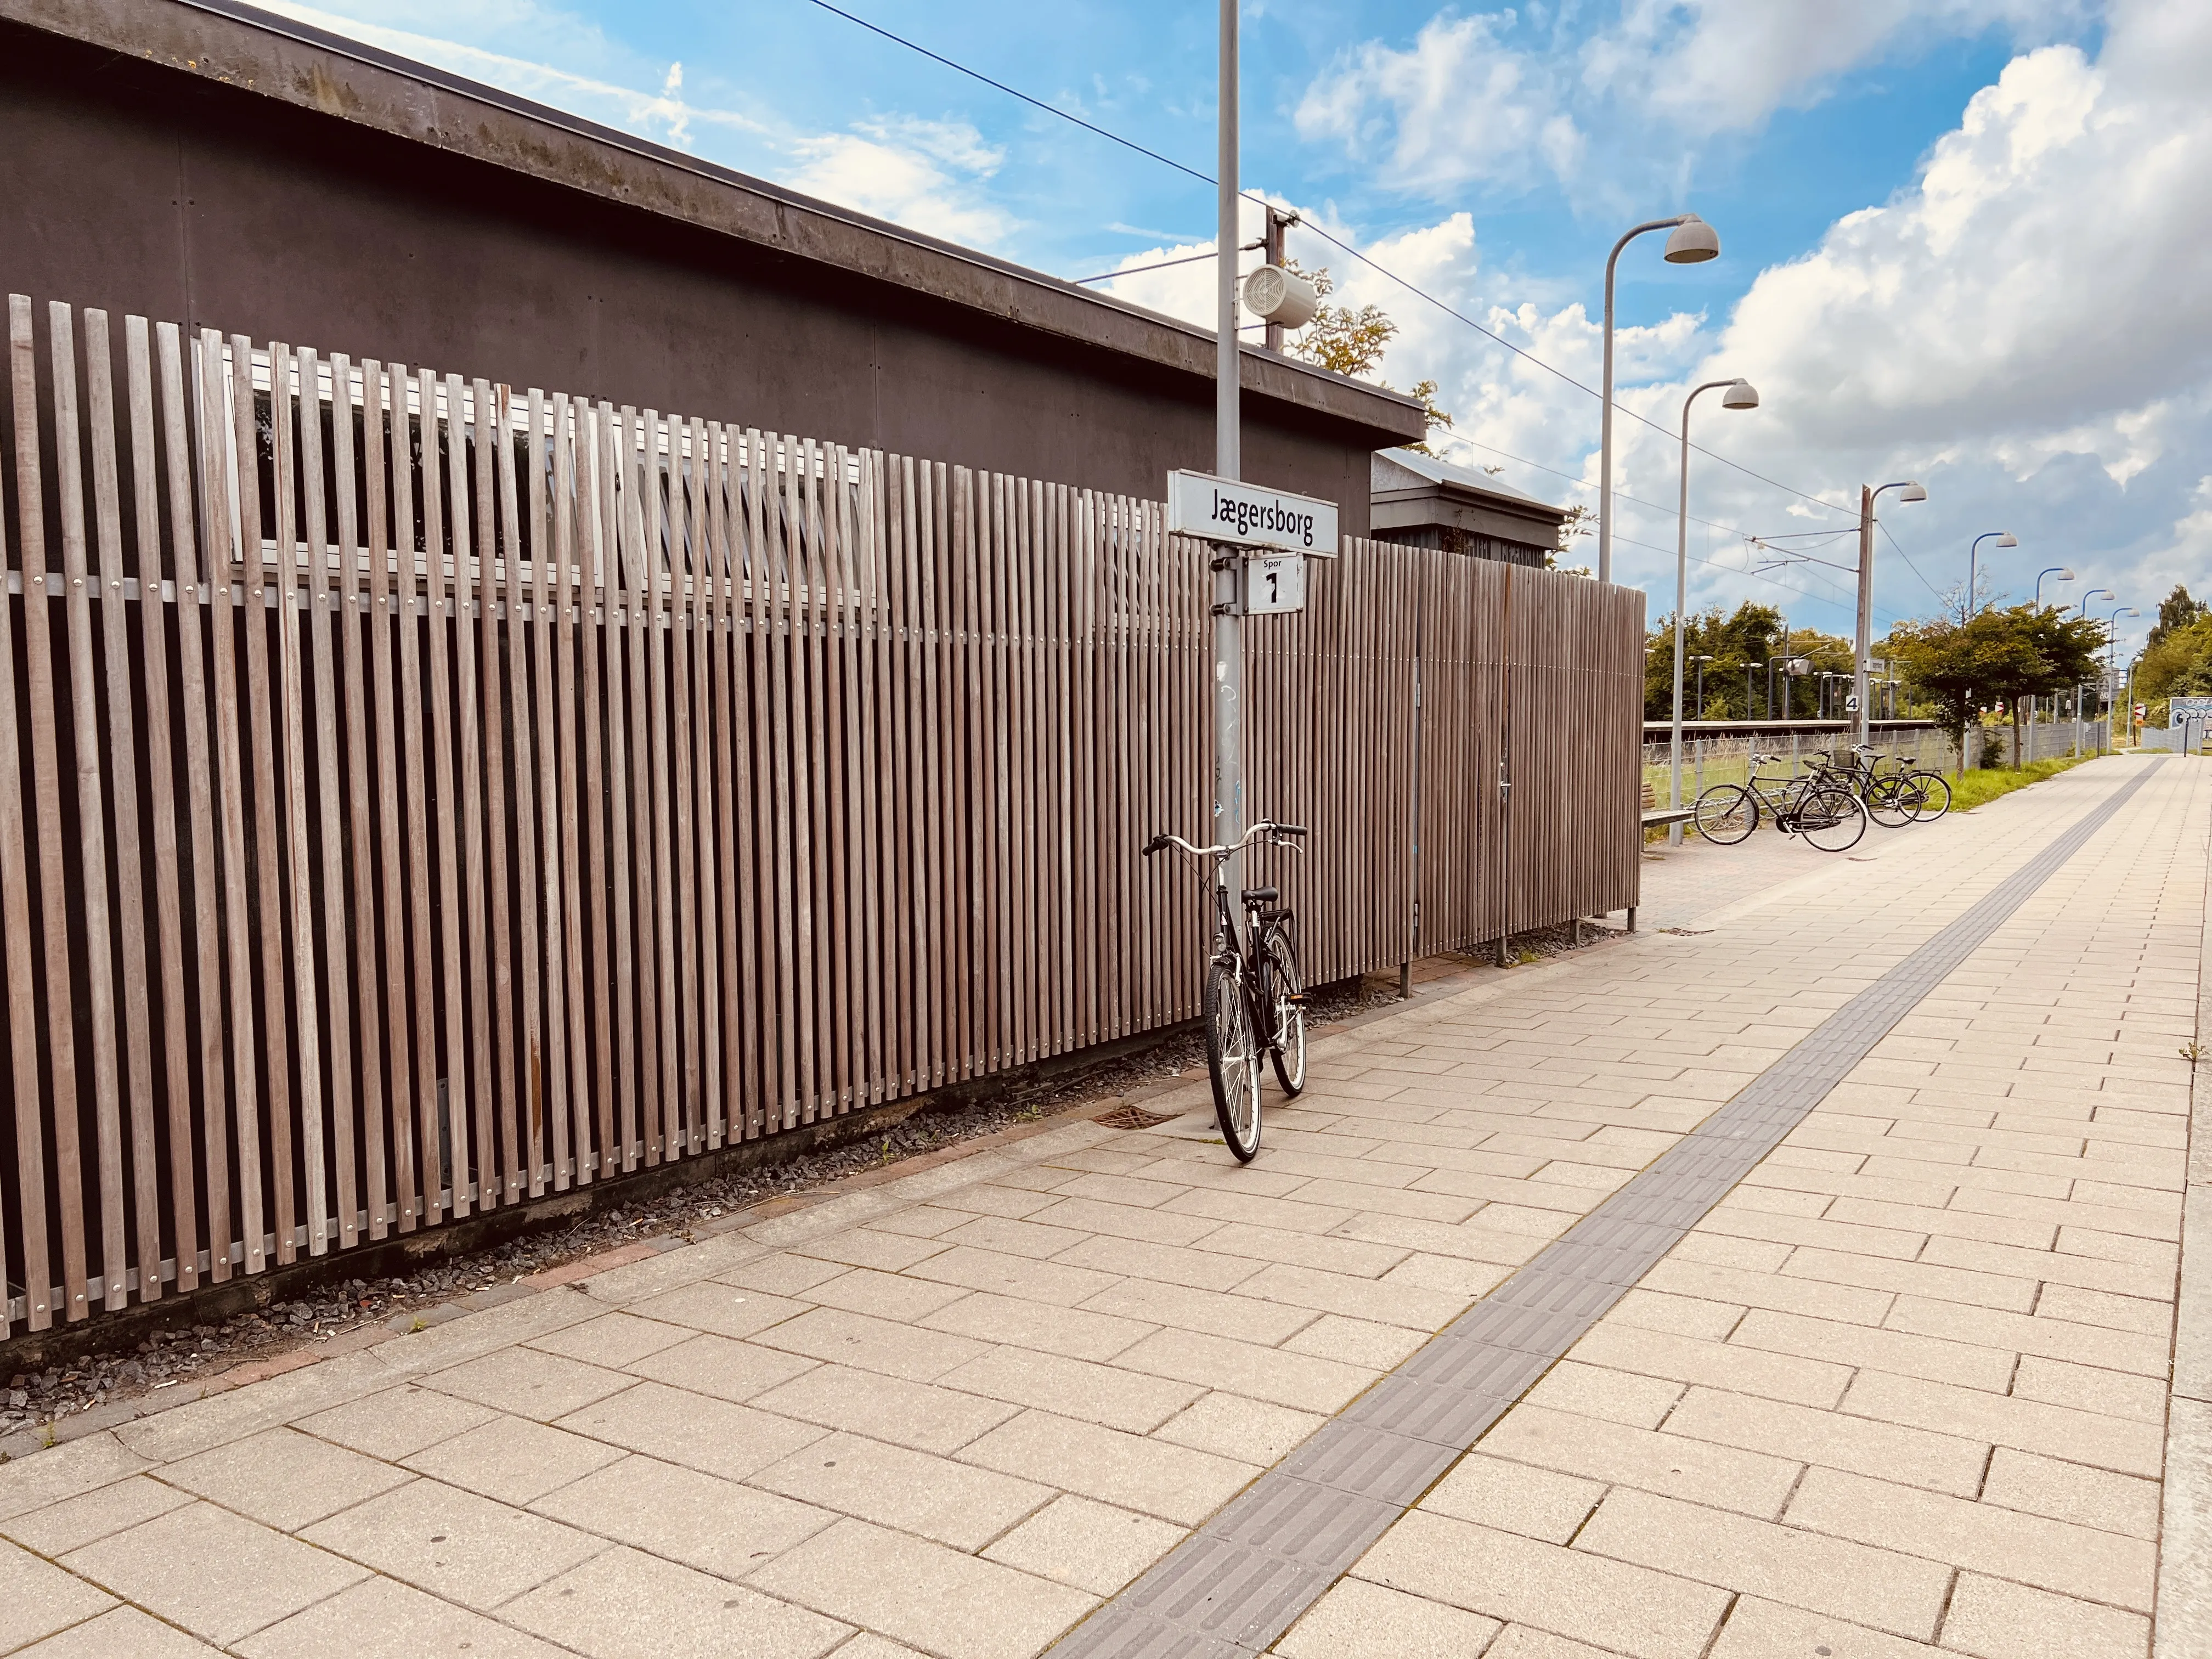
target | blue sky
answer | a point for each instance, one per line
(1959, 235)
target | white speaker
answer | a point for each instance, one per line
(1281, 296)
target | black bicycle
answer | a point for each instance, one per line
(1895, 795)
(1255, 995)
(1818, 807)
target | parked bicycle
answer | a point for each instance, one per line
(1255, 995)
(1817, 806)
(1895, 795)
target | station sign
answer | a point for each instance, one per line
(1274, 582)
(1250, 516)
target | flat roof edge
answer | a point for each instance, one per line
(238, 45)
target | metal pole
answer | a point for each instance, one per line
(1228, 629)
(1865, 637)
(1604, 405)
(1277, 223)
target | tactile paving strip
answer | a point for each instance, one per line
(1239, 1581)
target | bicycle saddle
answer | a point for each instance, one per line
(1260, 895)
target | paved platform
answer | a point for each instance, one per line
(1903, 1388)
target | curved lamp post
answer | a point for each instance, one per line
(2093, 593)
(1908, 490)
(2003, 538)
(2063, 575)
(1693, 241)
(2058, 570)
(2112, 659)
(1739, 394)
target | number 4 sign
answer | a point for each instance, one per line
(1274, 582)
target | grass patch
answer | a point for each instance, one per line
(1984, 784)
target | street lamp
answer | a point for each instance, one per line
(2093, 593)
(2112, 659)
(1692, 242)
(1701, 662)
(2005, 538)
(2063, 575)
(1908, 490)
(2058, 570)
(1737, 394)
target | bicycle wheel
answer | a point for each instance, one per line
(1935, 796)
(1832, 819)
(1889, 803)
(1233, 1059)
(1285, 1003)
(1726, 814)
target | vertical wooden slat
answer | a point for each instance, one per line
(615, 447)
(406, 564)
(537, 601)
(572, 504)
(703, 866)
(595, 623)
(868, 670)
(105, 583)
(337, 996)
(496, 518)
(472, 595)
(819, 950)
(683, 524)
(639, 464)
(15, 872)
(523, 534)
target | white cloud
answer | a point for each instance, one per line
(916, 173)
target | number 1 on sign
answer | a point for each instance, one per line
(1274, 583)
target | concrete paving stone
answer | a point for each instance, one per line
(2111, 1503)
(2031, 1549)
(930, 1597)
(2035, 1233)
(1840, 1346)
(2054, 1338)
(932, 1220)
(1008, 1236)
(1357, 1619)
(1617, 1396)
(782, 1273)
(1744, 1368)
(1647, 1309)
(1360, 1342)
(1171, 1264)
(122, 1632)
(382, 1619)
(716, 1436)
(1449, 1276)
(884, 1296)
(1301, 1382)
(2009, 1293)
(523, 1383)
(1724, 1477)
(1121, 1189)
(1524, 1642)
(1288, 1215)
(1719, 1250)
(68, 1470)
(1831, 1231)
(1757, 1629)
(2126, 1279)
(1116, 1159)
(1341, 1254)
(1076, 1333)
(2102, 1307)
(2119, 1196)
(2119, 1247)
(1142, 1223)
(1818, 1298)
(1919, 1455)
(721, 1368)
(2109, 1442)
(1091, 1546)
(873, 1345)
(679, 1514)
(1991, 1619)
(37, 1598)
(218, 1575)
(613, 1339)
(1178, 1307)
(1118, 1397)
(456, 1544)
(1619, 1607)
(711, 1305)
(1195, 1165)
(2089, 1388)
(988, 1198)
(954, 1504)
(625, 1605)
(1155, 1476)
(74, 1521)
(1357, 1297)
(282, 1478)
(1494, 1491)
(864, 1247)
(920, 1415)
(511, 1459)
(397, 1423)
(1316, 1161)
(1907, 1171)
(1245, 1431)
(1028, 1280)
(1477, 1241)
(1881, 1589)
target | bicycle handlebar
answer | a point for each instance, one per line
(1272, 830)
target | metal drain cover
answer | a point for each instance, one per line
(1134, 1118)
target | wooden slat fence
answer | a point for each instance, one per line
(472, 795)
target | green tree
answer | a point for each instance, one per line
(1997, 656)
(2177, 663)
(1352, 342)
(2176, 611)
(1734, 641)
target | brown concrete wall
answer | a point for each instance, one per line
(132, 187)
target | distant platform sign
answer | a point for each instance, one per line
(2187, 708)
(1247, 515)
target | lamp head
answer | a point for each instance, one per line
(1914, 491)
(1693, 242)
(2101, 593)
(2063, 575)
(2007, 540)
(1742, 395)
(2128, 611)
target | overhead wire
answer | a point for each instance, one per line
(1380, 269)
